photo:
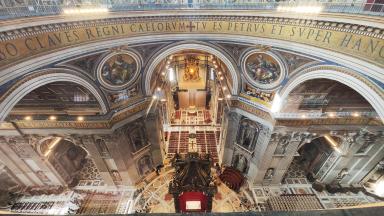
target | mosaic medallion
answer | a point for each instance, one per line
(118, 70)
(263, 70)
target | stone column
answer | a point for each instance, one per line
(343, 161)
(267, 158)
(350, 167)
(90, 145)
(366, 161)
(153, 130)
(8, 172)
(47, 173)
(295, 140)
(113, 144)
(259, 154)
(13, 152)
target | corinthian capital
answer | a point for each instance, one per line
(302, 136)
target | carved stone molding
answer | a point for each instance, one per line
(253, 110)
(346, 27)
(328, 121)
(18, 145)
(99, 124)
(23, 44)
(365, 137)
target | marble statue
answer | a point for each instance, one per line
(270, 173)
(248, 134)
(282, 145)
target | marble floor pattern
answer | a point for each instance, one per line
(154, 197)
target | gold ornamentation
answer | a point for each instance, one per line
(6, 126)
(191, 72)
(253, 110)
(106, 124)
(343, 38)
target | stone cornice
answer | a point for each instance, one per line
(357, 19)
(251, 109)
(329, 25)
(97, 124)
(7, 127)
(329, 122)
(355, 40)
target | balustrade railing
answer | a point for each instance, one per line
(26, 8)
(318, 115)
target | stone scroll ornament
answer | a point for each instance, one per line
(118, 70)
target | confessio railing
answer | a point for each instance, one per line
(26, 8)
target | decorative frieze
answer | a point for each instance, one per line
(328, 121)
(359, 41)
(100, 124)
(253, 110)
(18, 145)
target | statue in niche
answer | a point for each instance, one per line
(116, 175)
(137, 138)
(380, 165)
(344, 172)
(248, 134)
(282, 145)
(102, 148)
(378, 173)
(145, 165)
(366, 140)
(240, 162)
(269, 174)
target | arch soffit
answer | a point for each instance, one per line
(24, 67)
(196, 45)
(44, 77)
(317, 136)
(366, 88)
(66, 138)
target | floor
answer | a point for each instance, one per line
(197, 116)
(152, 196)
(201, 139)
(300, 187)
(155, 198)
(294, 194)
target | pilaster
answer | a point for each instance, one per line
(232, 122)
(153, 128)
(118, 158)
(13, 152)
(297, 138)
(90, 145)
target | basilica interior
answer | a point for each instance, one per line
(191, 106)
